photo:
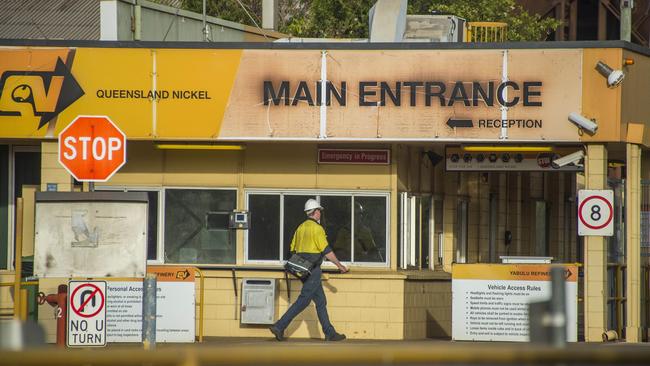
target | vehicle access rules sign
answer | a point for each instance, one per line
(490, 301)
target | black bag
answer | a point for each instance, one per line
(299, 266)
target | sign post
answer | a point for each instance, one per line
(92, 148)
(86, 314)
(595, 212)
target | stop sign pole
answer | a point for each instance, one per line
(92, 148)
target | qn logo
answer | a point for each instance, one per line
(42, 94)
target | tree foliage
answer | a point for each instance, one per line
(349, 19)
(522, 26)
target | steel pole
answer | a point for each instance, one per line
(558, 307)
(626, 20)
(149, 311)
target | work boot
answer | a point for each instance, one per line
(279, 334)
(335, 337)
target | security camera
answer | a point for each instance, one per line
(568, 159)
(614, 77)
(583, 122)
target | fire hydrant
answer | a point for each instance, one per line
(60, 304)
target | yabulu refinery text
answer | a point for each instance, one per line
(411, 93)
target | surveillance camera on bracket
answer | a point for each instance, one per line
(614, 77)
(583, 122)
(569, 159)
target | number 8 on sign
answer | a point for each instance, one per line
(595, 213)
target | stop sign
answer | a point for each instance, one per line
(92, 148)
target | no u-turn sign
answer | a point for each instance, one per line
(86, 314)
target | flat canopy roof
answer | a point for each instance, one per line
(331, 45)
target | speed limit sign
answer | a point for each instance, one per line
(595, 212)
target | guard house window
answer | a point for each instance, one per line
(196, 230)
(152, 217)
(355, 225)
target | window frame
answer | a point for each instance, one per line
(317, 194)
(160, 245)
(162, 239)
(12, 149)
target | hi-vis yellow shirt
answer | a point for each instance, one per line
(310, 238)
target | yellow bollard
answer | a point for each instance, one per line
(23, 305)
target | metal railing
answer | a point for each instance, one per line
(21, 306)
(616, 298)
(487, 32)
(201, 301)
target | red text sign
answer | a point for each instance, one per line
(341, 156)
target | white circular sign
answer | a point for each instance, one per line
(595, 212)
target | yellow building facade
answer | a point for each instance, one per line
(385, 146)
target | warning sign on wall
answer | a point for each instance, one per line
(86, 314)
(175, 307)
(490, 301)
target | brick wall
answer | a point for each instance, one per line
(427, 309)
(361, 306)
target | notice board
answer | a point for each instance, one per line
(90, 234)
(490, 301)
(175, 307)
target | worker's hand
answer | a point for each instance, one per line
(343, 269)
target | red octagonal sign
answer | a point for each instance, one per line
(92, 148)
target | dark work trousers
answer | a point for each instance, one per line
(312, 289)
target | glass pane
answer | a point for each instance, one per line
(294, 215)
(4, 205)
(437, 229)
(369, 229)
(336, 221)
(426, 234)
(417, 243)
(264, 229)
(187, 238)
(152, 226)
(27, 170)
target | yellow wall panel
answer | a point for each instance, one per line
(28, 219)
(599, 101)
(634, 94)
(280, 166)
(201, 168)
(338, 176)
(144, 166)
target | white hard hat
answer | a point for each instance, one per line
(312, 204)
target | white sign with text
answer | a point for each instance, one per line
(490, 302)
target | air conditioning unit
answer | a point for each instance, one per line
(434, 28)
(258, 301)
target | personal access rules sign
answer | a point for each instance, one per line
(92, 148)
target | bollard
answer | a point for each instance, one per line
(59, 302)
(149, 311)
(558, 307)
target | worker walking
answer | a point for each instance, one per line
(310, 242)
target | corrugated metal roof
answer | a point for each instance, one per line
(49, 19)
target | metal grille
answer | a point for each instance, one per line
(645, 257)
(645, 218)
(487, 32)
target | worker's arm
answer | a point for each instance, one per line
(332, 258)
